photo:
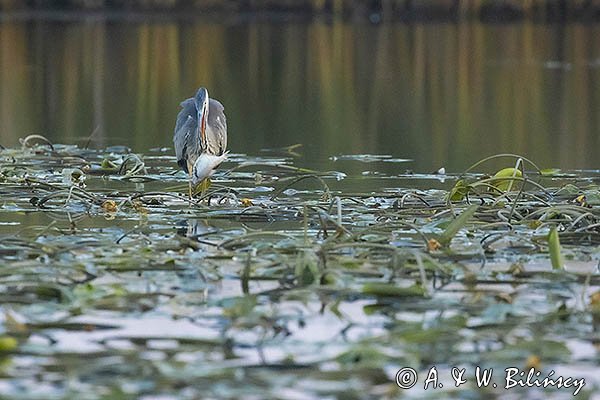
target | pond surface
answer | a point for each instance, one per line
(441, 94)
(304, 272)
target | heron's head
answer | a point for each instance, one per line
(201, 100)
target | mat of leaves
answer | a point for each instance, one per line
(284, 282)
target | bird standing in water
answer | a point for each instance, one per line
(200, 136)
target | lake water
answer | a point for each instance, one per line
(440, 94)
(281, 283)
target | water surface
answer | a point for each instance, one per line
(441, 94)
(113, 285)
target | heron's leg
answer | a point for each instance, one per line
(190, 190)
(204, 186)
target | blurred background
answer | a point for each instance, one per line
(444, 83)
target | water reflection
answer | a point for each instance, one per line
(442, 94)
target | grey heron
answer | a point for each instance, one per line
(200, 136)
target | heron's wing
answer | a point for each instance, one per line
(216, 135)
(184, 138)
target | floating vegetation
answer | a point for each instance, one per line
(285, 282)
(368, 158)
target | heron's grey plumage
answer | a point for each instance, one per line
(187, 138)
(216, 129)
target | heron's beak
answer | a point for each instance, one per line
(203, 124)
(204, 119)
(201, 100)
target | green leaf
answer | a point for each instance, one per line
(307, 269)
(506, 181)
(568, 189)
(108, 164)
(459, 191)
(236, 307)
(458, 223)
(12, 324)
(550, 171)
(245, 276)
(8, 343)
(390, 290)
(554, 248)
(592, 197)
(362, 354)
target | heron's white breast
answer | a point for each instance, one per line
(205, 166)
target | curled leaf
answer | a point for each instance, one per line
(533, 361)
(505, 181)
(246, 202)
(433, 245)
(110, 206)
(459, 191)
(554, 249)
